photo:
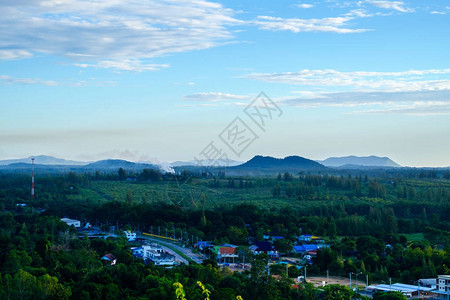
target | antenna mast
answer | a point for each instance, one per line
(32, 178)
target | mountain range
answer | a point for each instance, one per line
(43, 160)
(258, 165)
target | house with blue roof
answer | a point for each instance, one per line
(204, 245)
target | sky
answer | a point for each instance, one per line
(167, 80)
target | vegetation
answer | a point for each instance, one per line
(391, 225)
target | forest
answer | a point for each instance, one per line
(386, 225)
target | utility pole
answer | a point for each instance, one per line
(350, 274)
(418, 289)
(305, 272)
(328, 273)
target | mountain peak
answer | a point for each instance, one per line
(289, 163)
(365, 161)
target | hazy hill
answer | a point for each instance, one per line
(102, 165)
(43, 160)
(355, 161)
(225, 163)
(118, 163)
(259, 165)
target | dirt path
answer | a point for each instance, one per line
(317, 280)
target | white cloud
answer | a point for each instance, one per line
(394, 5)
(304, 5)
(125, 65)
(28, 81)
(103, 33)
(411, 103)
(336, 24)
(435, 12)
(14, 54)
(215, 97)
(5, 79)
(415, 109)
(413, 92)
(360, 13)
(412, 80)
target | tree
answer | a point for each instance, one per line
(129, 197)
(289, 190)
(379, 295)
(337, 292)
(283, 245)
(287, 176)
(21, 286)
(331, 229)
(122, 174)
(276, 190)
(16, 260)
(50, 288)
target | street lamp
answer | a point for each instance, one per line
(356, 284)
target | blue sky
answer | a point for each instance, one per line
(160, 80)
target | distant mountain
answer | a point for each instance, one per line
(118, 163)
(356, 161)
(223, 163)
(269, 165)
(43, 160)
(102, 165)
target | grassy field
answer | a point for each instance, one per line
(414, 236)
(199, 193)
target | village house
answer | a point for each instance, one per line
(155, 254)
(70, 222)
(264, 247)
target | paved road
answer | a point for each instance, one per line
(196, 257)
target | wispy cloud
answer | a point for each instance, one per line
(420, 103)
(435, 12)
(125, 65)
(215, 97)
(415, 109)
(14, 54)
(411, 103)
(414, 92)
(412, 80)
(304, 5)
(5, 79)
(106, 34)
(334, 24)
(394, 5)
(27, 81)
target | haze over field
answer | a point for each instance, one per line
(163, 81)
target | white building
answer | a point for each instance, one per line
(131, 236)
(406, 289)
(443, 286)
(70, 222)
(157, 255)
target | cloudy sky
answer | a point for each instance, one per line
(170, 79)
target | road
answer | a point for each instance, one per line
(196, 257)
